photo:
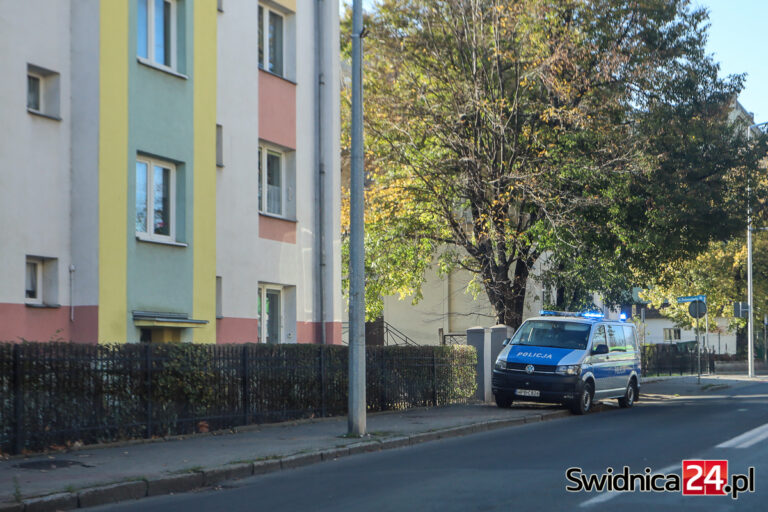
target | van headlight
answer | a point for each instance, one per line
(568, 369)
(500, 364)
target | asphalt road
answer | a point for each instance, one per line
(520, 468)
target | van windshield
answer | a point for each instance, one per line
(546, 333)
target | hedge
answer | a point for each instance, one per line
(56, 394)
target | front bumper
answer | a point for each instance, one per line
(552, 388)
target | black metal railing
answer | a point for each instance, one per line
(454, 338)
(675, 360)
(55, 394)
(378, 333)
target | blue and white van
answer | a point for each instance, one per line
(569, 358)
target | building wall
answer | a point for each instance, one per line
(258, 249)
(722, 342)
(75, 177)
(35, 181)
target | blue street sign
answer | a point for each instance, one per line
(693, 298)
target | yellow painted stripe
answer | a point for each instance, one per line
(113, 162)
(287, 4)
(204, 171)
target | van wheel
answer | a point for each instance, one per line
(503, 401)
(583, 403)
(628, 400)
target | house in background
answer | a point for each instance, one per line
(171, 171)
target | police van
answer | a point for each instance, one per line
(569, 358)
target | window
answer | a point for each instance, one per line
(219, 146)
(42, 91)
(270, 318)
(629, 336)
(599, 337)
(671, 334)
(41, 281)
(34, 281)
(155, 200)
(156, 32)
(33, 92)
(270, 40)
(271, 182)
(616, 339)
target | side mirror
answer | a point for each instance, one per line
(506, 342)
(600, 350)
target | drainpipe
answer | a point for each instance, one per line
(320, 183)
(71, 297)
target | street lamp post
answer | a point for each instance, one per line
(356, 399)
(750, 317)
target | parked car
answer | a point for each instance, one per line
(569, 358)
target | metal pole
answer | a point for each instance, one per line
(750, 317)
(356, 420)
(698, 344)
(706, 335)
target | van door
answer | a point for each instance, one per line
(600, 369)
(630, 336)
(619, 359)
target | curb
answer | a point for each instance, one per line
(170, 484)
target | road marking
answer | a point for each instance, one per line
(747, 439)
(609, 495)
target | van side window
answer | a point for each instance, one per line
(616, 339)
(599, 337)
(631, 339)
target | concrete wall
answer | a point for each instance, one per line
(654, 333)
(35, 152)
(161, 126)
(256, 107)
(447, 303)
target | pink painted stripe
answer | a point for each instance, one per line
(19, 322)
(277, 110)
(237, 330)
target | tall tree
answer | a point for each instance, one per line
(595, 132)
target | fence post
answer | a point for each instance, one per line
(246, 383)
(382, 379)
(18, 402)
(148, 386)
(434, 377)
(322, 382)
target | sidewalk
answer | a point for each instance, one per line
(97, 475)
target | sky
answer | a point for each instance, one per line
(736, 42)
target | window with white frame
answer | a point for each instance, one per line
(672, 334)
(270, 311)
(34, 281)
(43, 90)
(155, 199)
(271, 181)
(271, 41)
(156, 32)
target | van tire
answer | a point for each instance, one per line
(583, 403)
(503, 401)
(629, 398)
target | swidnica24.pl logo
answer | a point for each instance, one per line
(699, 478)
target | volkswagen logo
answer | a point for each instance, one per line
(529, 369)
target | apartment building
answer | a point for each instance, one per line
(170, 171)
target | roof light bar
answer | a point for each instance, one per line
(585, 314)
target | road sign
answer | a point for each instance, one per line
(697, 309)
(740, 309)
(692, 298)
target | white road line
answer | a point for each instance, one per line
(609, 495)
(747, 439)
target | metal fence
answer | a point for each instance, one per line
(55, 394)
(675, 360)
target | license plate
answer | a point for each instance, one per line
(527, 392)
